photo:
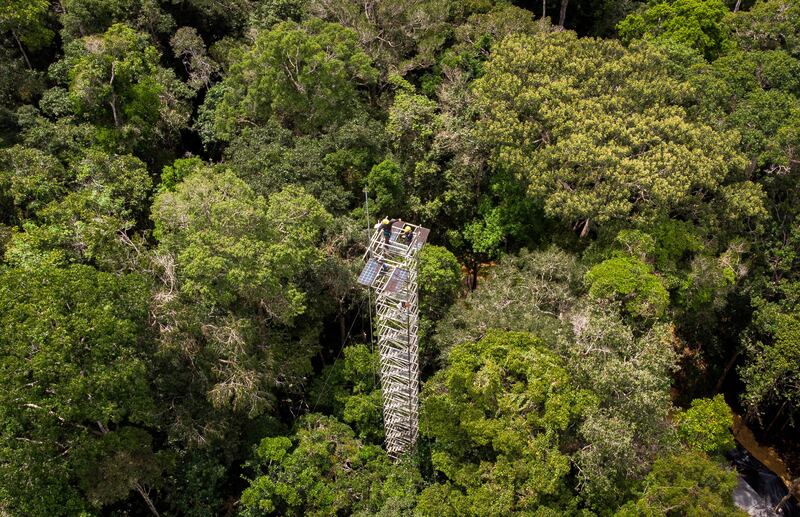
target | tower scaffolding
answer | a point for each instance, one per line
(391, 271)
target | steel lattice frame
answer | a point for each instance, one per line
(392, 273)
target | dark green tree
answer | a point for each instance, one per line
(76, 398)
(324, 470)
(116, 82)
(306, 75)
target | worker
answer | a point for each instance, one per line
(401, 311)
(407, 234)
(386, 225)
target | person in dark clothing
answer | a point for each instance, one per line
(407, 234)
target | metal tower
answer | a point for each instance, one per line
(391, 271)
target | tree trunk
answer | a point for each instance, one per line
(342, 329)
(738, 4)
(794, 490)
(113, 104)
(21, 49)
(585, 230)
(544, 9)
(775, 418)
(146, 498)
(562, 16)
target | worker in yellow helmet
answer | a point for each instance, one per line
(407, 234)
(386, 226)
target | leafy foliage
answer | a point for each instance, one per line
(70, 335)
(184, 187)
(631, 282)
(322, 470)
(244, 258)
(686, 484)
(306, 75)
(706, 425)
(591, 155)
(698, 24)
(496, 415)
(115, 80)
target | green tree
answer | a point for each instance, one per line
(629, 369)
(769, 24)
(706, 425)
(349, 390)
(330, 166)
(496, 416)
(182, 168)
(234, 267)
(768, 121)
(440, 281)
(19, 84)
(76, 396)
(324, 470)
(189, 46)
(771, 375)
(26, 20)
(525, 292)
(115, 81)
(29, 180)
(267, 13)
(549, 114)
(101, 196)
(686, 484)
(698, 24)
(81, 18)
(307, 75)
(630, 281)
(386, 184)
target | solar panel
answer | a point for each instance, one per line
(397, 281)
(369, 273)
(421, 236)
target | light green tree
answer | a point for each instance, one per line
(189, 46)
(686, 484)
(631, 282)
(324, 470)
(706, 425)
(234, 267)
(698, 24)
(496, 416)
(599, 131)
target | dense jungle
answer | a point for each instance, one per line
(610, 288)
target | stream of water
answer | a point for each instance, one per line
(760, 489)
